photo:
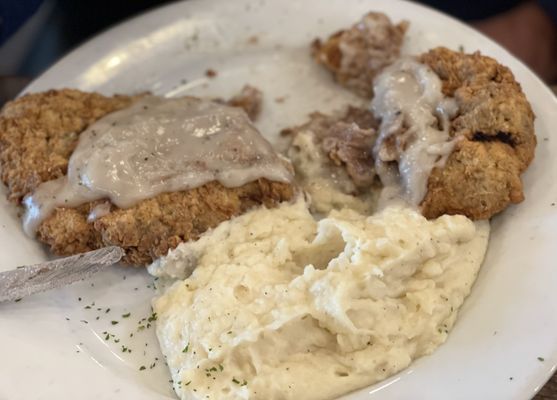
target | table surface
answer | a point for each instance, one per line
(549, 391)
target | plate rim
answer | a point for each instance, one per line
(85, 47)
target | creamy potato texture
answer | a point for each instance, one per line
(280, 306)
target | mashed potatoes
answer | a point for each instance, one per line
(283, 307)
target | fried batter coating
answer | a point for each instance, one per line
(356, 55)
(495, 126)
(250, 99)
(154, 226)
(38, 133)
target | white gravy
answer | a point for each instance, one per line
(409, 102)
(158, 145)
(98, 211)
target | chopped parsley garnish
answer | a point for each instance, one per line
(236, 381)
(185, 350)
(142, 368)
(126, 315)
(541, 359)
(114, 322)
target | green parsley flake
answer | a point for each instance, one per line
(186, 348)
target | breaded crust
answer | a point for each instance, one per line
(38, 133)
(152, 227)
(495, 127)
(250, 99)
(356, 55)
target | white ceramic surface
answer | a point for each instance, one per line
(508, 324)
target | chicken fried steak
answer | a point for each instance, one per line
(490, 138)
(38, 134)
(495, 127)
(356, 55)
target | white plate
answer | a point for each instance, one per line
(508, 324)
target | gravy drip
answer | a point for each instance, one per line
(414, 132)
